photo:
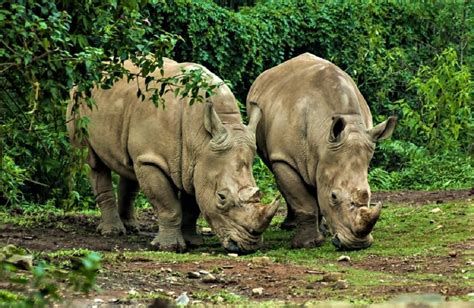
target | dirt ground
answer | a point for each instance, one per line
(281, 281)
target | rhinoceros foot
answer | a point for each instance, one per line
(192, 238)
(307, 237)
(111, 228)
(169, 240)
(131, 225)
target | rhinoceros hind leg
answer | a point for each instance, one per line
(303, 207)
(191, 213)
(289, 223)
(101, 182)
(163, 195)
(128, 190)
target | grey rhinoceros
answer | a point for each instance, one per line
(186, 159)
(317, 137)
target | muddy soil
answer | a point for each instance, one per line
(287, 282)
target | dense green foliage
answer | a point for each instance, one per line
(409, 59)
(38, 283)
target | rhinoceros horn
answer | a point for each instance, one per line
(266, 214)
(366, 218)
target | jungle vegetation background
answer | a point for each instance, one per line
(412, 59)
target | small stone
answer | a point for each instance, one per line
(206, 231)
(262, 260)
(341, 284)
(344, 259)
(209, 278)
(194, 275)
(233, 255)
(98, 300)
(21, 262)
(257, 291)
(332, 277)
(453, 253)
(182, 300)
(203, 272)
(435, 210)
(172, 279)
(168, 270)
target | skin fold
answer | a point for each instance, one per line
(186, 159)
(317, 137)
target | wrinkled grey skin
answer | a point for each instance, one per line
(186, 159)
(317, 137)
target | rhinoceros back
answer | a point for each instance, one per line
(299, 98)
(123, 128)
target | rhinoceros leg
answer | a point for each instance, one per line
(191, 213)
(303, 204)
(163, 195)
(128, 190)
(101, 182)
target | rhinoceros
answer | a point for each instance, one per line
(186, 159)
(316, 135)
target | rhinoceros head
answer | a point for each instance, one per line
(225, 188)
(342, 185)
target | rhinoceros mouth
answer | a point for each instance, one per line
(240, 240)
(346, 240)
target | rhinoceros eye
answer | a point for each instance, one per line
(334, 198)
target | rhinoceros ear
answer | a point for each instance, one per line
(213, 123)
(255, 114)
(384, 130)
(337, 127)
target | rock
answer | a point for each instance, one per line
(332, 277)
(21, 262)
(203, 272)
(435, 210)
(209, 278)
(194, 275)
(182, 300)
(98, 300)
(257, 291)
(233, 255)
(453, 253)
(132, 292)
(262, 260)
(344, 259)
(341, 284)
(205, 231)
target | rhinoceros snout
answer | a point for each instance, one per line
(232, 247)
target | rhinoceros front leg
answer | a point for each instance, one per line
(303, 205)
(101, 182)
(163, 195)
(128, 190)
(191, 213)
